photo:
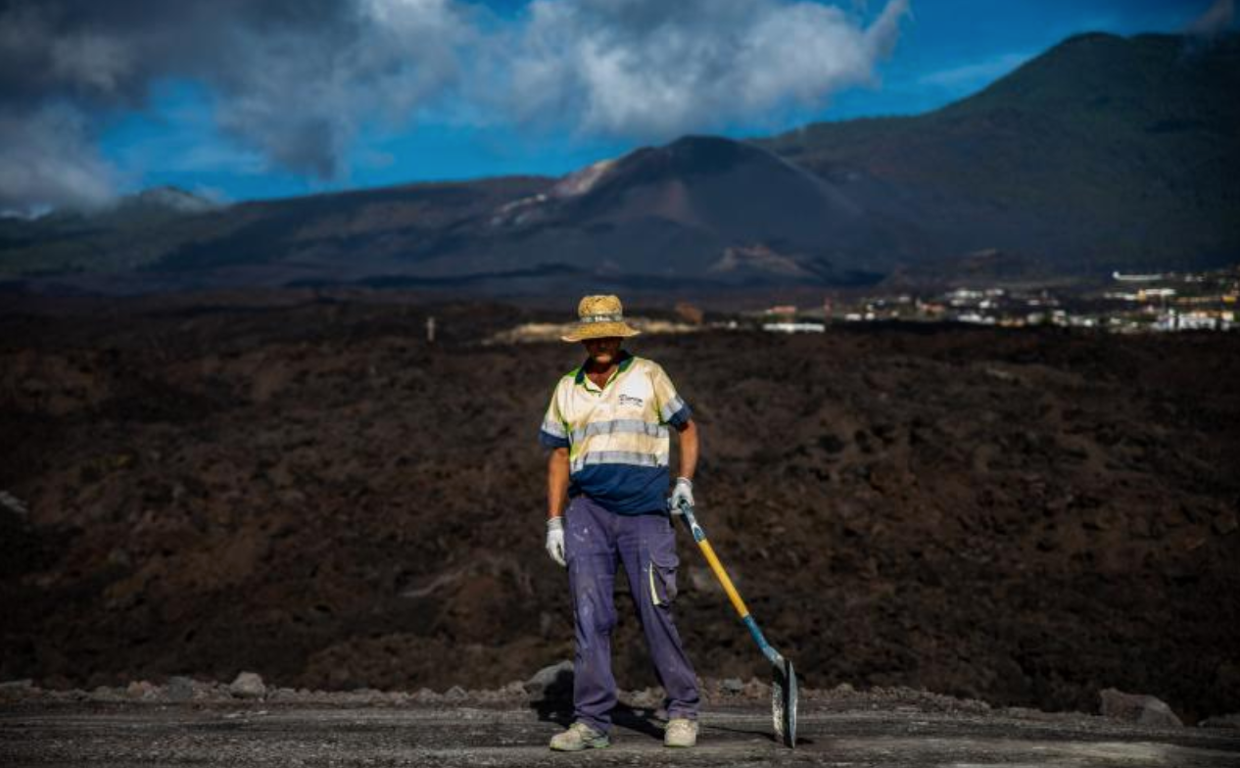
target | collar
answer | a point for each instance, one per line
(626, 360)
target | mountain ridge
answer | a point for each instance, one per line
(1049, 141)
(1102, 153)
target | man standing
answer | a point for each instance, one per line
(607, 426)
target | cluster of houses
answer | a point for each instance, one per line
(1127, 303)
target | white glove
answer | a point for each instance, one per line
(555, 540)
(681, 493)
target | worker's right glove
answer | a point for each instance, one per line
(555, 539)
(682, 494)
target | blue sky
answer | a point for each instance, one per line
(265, 105)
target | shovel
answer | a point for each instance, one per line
(784, 687)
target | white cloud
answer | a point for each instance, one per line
(651, 69)
(293, 81)
(298, 82)
(48, 157)
(301, 95)
(94, 61)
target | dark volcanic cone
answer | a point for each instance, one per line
(706, 208)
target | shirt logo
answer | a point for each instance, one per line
(630, 400)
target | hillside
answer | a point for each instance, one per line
(1103, 153)
(701, 208)
(329, 237)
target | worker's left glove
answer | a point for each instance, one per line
(682, 493)
(555, 540)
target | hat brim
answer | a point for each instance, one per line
(585, 331)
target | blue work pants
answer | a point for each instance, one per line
(596, 542)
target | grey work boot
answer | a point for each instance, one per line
(579, 736)
(680, 732)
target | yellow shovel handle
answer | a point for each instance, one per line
(722, 575)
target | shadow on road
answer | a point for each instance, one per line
(643, 720)
(639, 719)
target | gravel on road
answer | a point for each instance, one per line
(42, 734)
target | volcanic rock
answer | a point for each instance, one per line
(179, 688)
(141, 689)
(248, 685)
(646, 697)
(16, 689)
(1136, 708)
(555, 681)
(854, 582)
(1226, 523)
(1222, 721)
(756, 689)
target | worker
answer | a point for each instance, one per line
(608, 430)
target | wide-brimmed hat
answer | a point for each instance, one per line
(600, 317)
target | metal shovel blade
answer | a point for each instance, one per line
(784, 703)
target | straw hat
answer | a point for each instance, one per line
(601, 317)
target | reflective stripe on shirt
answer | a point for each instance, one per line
(619, 457)
(616, 426)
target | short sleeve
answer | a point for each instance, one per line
(672, 409)
(554, 430)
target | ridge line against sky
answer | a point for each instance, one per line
(240, 99)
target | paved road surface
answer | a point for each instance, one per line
(174, 735)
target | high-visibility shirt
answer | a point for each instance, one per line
(617, 434)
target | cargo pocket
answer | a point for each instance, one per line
(661, 570)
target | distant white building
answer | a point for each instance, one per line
(963, 296)
(1189, 321)
(1196, 321)
(1135, 278)
(975, 318)
(794, 327)
(1155, 293)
